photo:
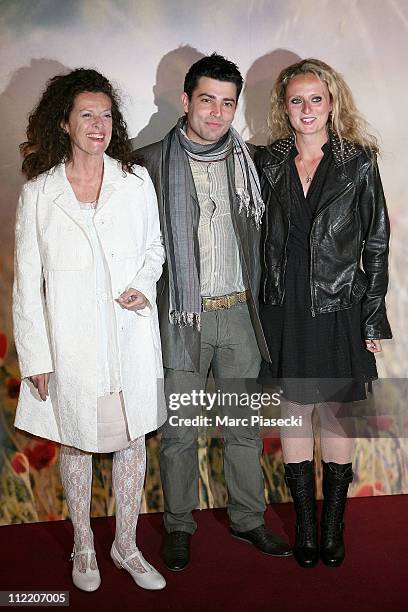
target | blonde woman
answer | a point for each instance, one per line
(325, 276)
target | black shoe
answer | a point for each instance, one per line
(176, 550)
(336, 480)
(301, 482)
(265, 540)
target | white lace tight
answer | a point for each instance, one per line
(76, 478)
(128, 472)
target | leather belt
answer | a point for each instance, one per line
(224, 301)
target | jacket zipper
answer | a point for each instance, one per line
(344, 223)
(312, 309)
(272, 184)
(284, 267)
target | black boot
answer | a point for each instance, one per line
(336, 480)
(301, 482)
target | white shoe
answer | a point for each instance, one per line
(89, 580)
(149, 579)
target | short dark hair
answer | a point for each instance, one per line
(213, 66)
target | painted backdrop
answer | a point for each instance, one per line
(146, 46)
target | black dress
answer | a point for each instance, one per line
(320, 358)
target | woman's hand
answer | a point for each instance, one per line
(132, 299)
(40, 382)
(374, 346)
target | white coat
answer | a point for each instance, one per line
(55, 309)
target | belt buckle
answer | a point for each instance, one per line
(223, 302)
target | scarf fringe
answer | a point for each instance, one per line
(256, 210)
(192, 319)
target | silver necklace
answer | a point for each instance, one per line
(309, 175)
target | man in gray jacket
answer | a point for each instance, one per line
(211, 209)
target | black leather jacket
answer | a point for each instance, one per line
(348, 240)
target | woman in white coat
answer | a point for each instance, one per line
(88, 256)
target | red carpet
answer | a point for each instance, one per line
(225, 573)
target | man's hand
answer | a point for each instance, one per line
(40, 382)
(374, 346)
(132, 299)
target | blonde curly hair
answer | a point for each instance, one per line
(344, 120)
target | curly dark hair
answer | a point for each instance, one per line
(214, 66)
(47, 142)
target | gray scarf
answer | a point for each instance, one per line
(181, 211)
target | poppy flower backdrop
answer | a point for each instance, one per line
(30, 487)
(146, 48)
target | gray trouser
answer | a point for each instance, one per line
(229, 347)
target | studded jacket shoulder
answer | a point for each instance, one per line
(277, 152)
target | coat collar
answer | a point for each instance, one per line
(277, 172)
(343, 150)
(57, 186)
